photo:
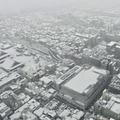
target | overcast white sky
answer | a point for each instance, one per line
(15, 5)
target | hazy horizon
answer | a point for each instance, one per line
(7, 6)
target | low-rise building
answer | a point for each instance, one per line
(12, 77)
(114, 86)
(10, 64)
(108, 106)
(4, 110)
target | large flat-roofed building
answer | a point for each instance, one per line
(81, 85)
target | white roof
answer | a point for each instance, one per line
(39, 112)
(114, 105)
(111, 43)
(46, 80)
(8, 63)
(116, 108)
(3, 73)
(2, 106)
(19, 46)
(84, 79)
(9, 78)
